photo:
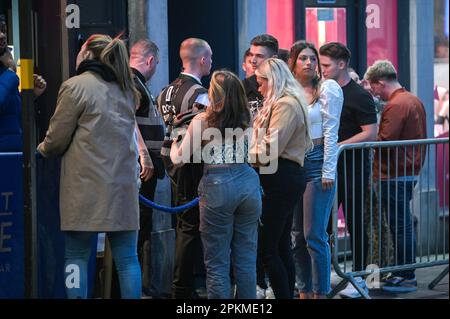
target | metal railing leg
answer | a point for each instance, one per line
(363, 293)
(441, 276)
(342, 284)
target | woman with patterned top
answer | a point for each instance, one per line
(280, 141)
(309, 232)
(229, 191)
(93, 129)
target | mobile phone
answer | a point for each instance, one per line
(3, 39)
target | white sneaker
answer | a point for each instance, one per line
(351, 292)
(260, 292)
(269, 293)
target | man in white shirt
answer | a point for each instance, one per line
(186, 95)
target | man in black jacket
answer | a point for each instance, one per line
(184, 95)
(144, 59)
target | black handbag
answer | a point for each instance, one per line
(175, 123)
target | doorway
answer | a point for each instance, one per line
(100, 16)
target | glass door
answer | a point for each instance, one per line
(335, 21)
(369, 28)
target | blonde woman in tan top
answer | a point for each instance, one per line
(280, 140)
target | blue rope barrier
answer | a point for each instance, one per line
(171, 210)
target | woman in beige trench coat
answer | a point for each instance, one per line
(93, 128)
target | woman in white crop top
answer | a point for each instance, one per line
(325, 99)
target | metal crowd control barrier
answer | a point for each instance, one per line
(169, 210)
(385, 231)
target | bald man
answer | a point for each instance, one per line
(144, 59)
(183, 95)
(196, 56)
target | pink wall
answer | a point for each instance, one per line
(382, 41)
(335, 30)
(280, 21)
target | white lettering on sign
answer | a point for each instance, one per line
(373, 16)
(4, 210)
(4, 237)
(373, 280)
(7, 195)
(5, 268)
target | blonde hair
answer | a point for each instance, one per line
(228, 102)
(144, 48)
(282, 83)
(295, 51)
(114, 54)
(7, 61)
(192, 49)
(381, 70)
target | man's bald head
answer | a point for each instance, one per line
(193, 49)
(143, 49)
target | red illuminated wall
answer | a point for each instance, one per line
(382, 41)
(335, 31)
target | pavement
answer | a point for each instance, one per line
(424, 277)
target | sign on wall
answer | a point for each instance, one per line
(11, 226)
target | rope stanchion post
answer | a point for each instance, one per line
(107, 270)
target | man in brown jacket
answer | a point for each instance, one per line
(403, 118)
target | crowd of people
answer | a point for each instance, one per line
(265, 197)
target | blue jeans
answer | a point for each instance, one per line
(282, 192)
(230, 206)
(395, 197)
(124, 251)
(309, 232)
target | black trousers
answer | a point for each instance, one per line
(188, 245)
(282, 191)
(353, 183)
(146, 215)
